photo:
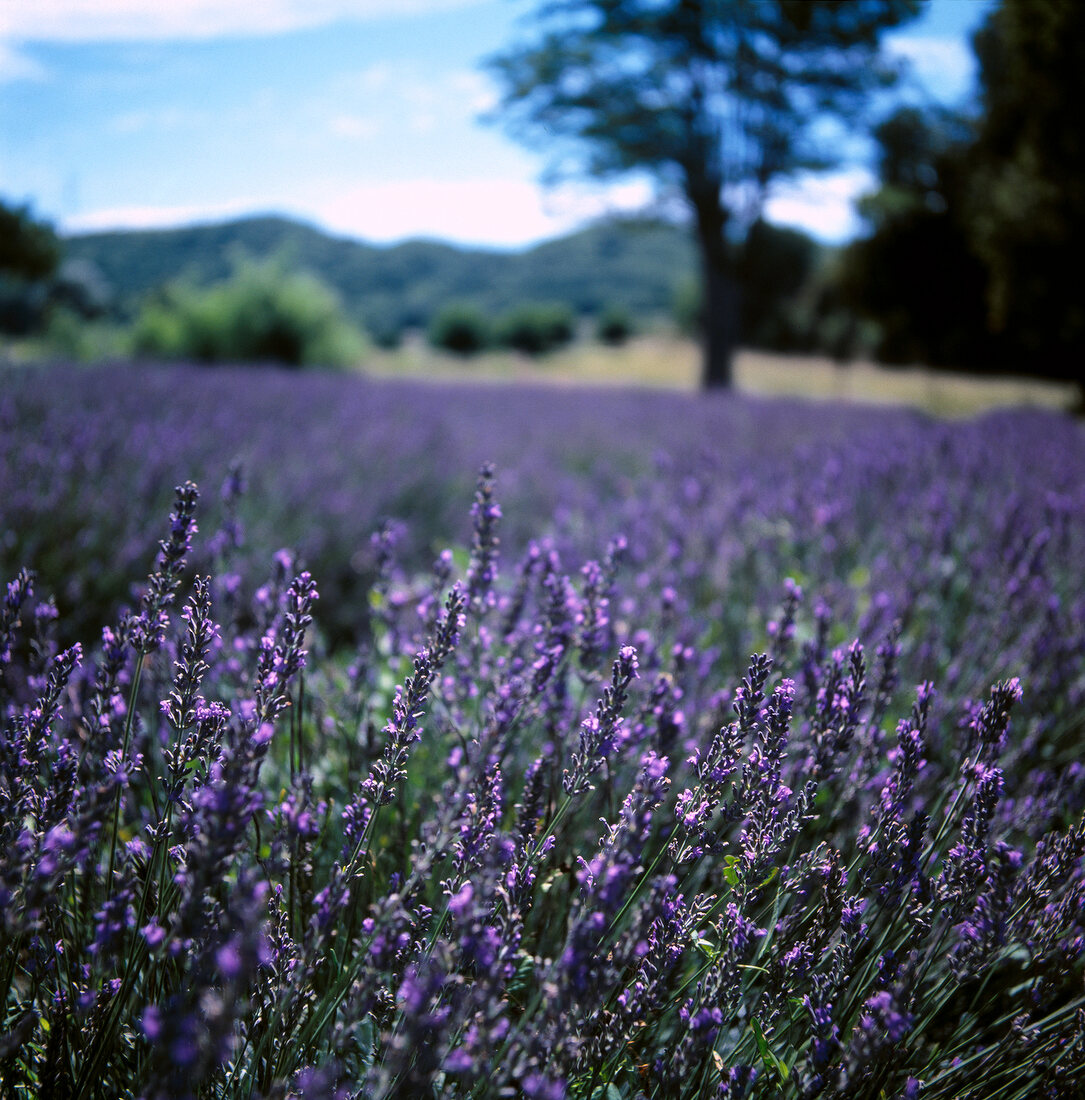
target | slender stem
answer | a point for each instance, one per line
(133, 696)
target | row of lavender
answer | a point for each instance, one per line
(533, 823)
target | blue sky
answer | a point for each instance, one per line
(360, 116)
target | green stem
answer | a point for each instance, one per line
(133, 695)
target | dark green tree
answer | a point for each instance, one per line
(29, 249)
(1028, 182)
(915, 273)
(773, 266)
(29, 254)
(718, 98)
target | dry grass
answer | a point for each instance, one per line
(670, 362)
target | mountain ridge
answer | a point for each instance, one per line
(636, 263)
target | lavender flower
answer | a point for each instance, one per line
(217, 879)
(402, 729)
(482, 569)
(150, 627)
(601, 733)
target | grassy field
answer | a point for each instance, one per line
(670, 362)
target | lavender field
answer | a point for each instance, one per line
(486, 741)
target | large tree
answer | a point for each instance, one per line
(916, 273)
(716, 97)
(29, 254)
(1028, 180)
(28, 249)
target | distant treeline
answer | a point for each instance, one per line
(619, 274)
(638, 264)
(970, 259)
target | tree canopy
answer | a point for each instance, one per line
(916, 272)
(28, 249)
(977, 230)
(717, 98)
(1028, 198)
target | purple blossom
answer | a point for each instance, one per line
(217, 876)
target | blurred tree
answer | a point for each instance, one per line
(916, 273)
(460, 327)
(263, 313)
(615, 325)
(717, 97)
(536, 328)
(773, 266)
(29, 254)
(28, 249)
(1028, 180)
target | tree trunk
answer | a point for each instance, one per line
(719, 321)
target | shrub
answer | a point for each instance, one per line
(537, 328)
(23, 305)
(263, 313)
(460, 328)
(687, 307)
(71, 335)
(614, 326)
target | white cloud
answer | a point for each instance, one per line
(18, 66)
(474, 89)
(408, 84)
(500, 212)
(822, 206)
(373, 78)
(487, 212)
(944, 66)
(353, 127)
(153, 217)
(97, 20)
(495, 212)
(405, 98)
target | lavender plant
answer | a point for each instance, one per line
(537, 831)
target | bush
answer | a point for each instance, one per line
(461, 328)
(687, 307)
(23, 305)
(69, 334)
(263, 313)
(614, 325)
(536, 328)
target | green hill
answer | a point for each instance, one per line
(635, 263)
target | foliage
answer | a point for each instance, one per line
(70, 336)
(1028, 180)
(262, 313)
(789, 299)
(80, 288)
(635, 262)
(387, 336)
(614, 326)
(23, 305)
(544, 829)
(716, 100)
(976, 228)
(28, 248)
(636, 265)
(460, 327)
(29, 254)
(687, 307)
(535, 327)
(916, 273)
